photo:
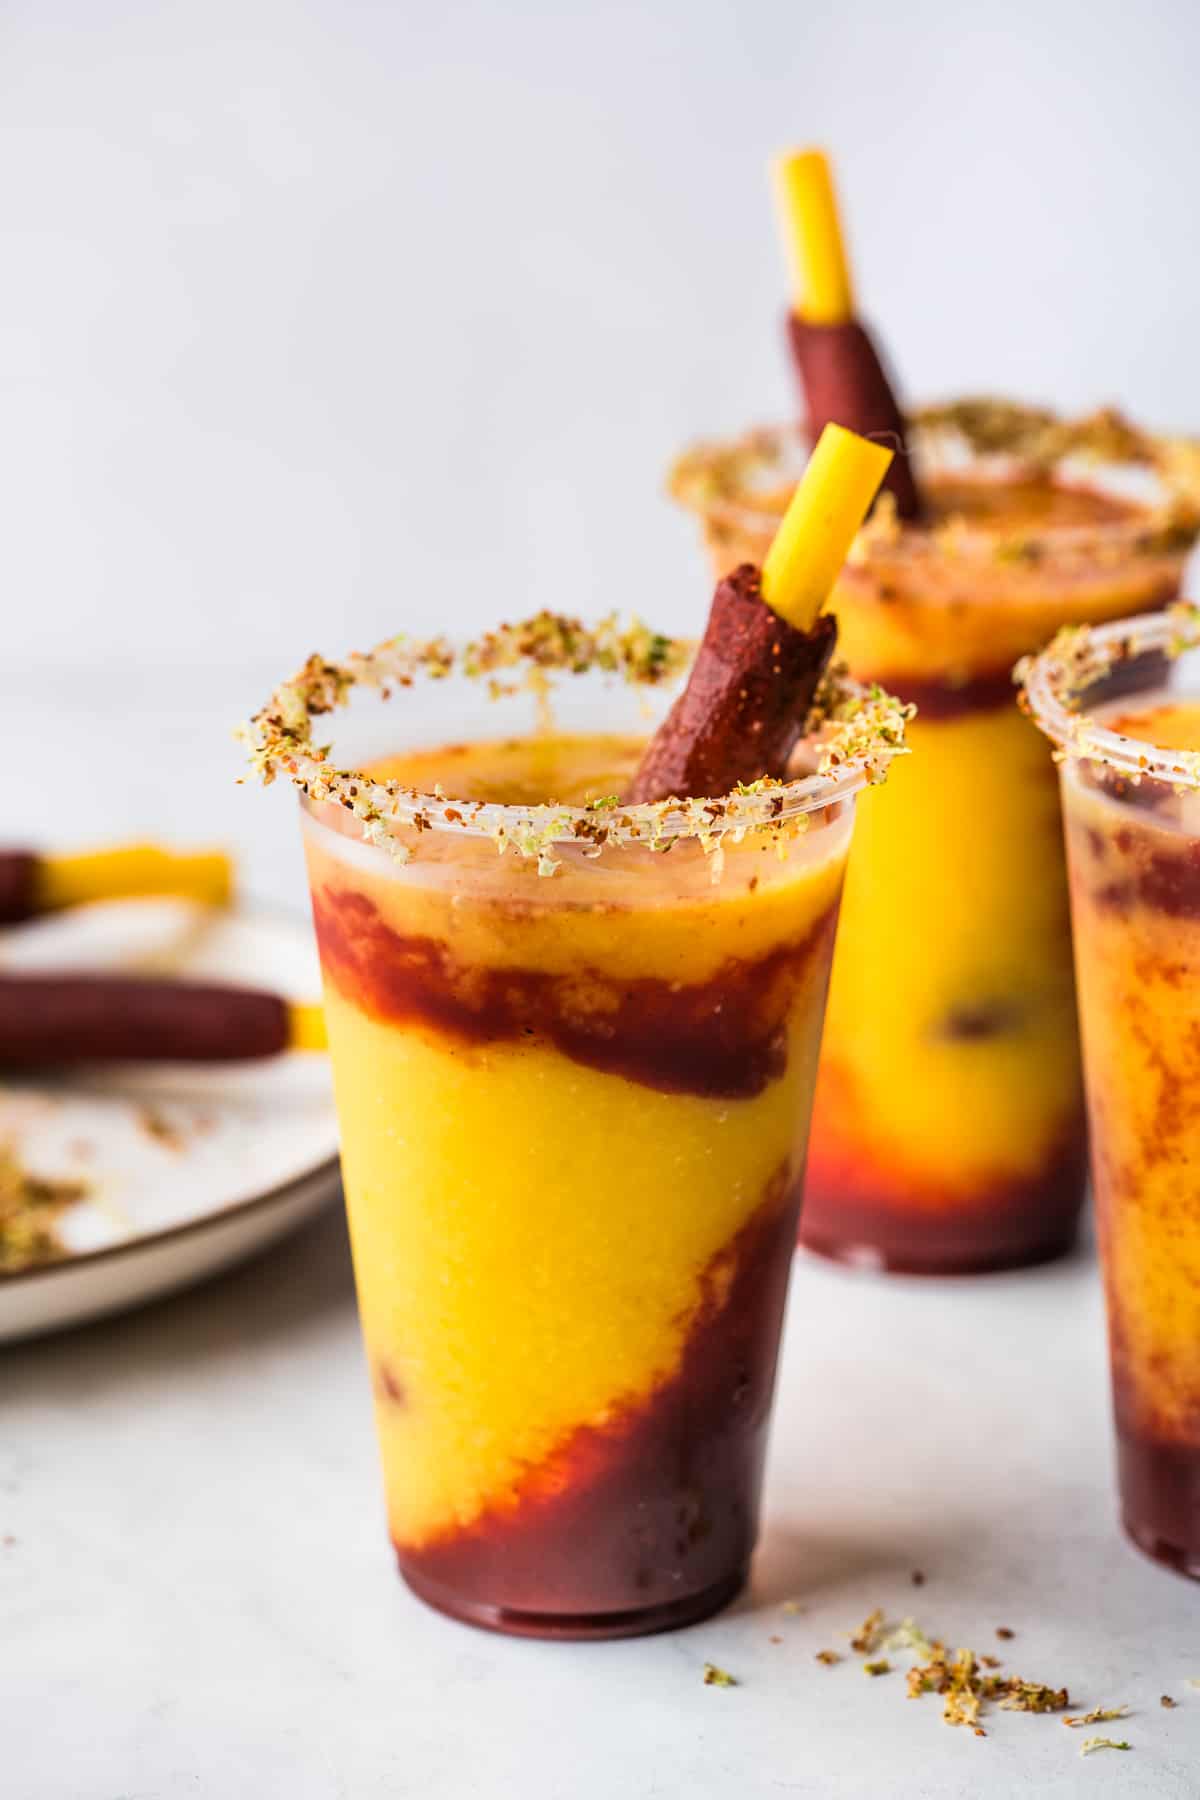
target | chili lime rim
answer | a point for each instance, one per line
(860, 731)
(1054, 685)
(999, 436)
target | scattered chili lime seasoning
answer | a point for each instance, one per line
(158, 1127)
(868, 1633)
(965, 1688)
(717, 1677)
(30, 1206)
(1028, 1696)
(1099, 1743)
(1099, 1715)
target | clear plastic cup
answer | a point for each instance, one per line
(573, 1083)
(948, 1130)
(1132, 815)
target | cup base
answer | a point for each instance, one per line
(1172, 1556)
(962, 1259)
(900, 1224)
(1160, 1500)
(641, 1621)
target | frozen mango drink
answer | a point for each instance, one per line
(948, 1130)
(574, 1047)
(1122, 705)
(948, 1133)
(574, 1044)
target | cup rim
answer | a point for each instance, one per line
(861, 731)
(989, 439)
(1054, 684)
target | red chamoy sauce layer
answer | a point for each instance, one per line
(722, 1038)
(648, 1521)
(865, 1215)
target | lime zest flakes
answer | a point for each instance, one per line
(718, 1677)
(30, 1206)
(860, 732)
(553, 641)
(964, 1680)
(1041, 443)
(750, 473)
(966, 1689)
(1028, 1696)
(1055, 684)
(869, 1633)
(1074, 652)
(955, 1679)
(709, 472)
(1099, 1715)
(1035, 436)
(1185, 620)
(909, 1636)
(866, 726)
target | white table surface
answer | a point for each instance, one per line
(197, 1597)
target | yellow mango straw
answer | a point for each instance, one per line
(814, 537)
(822, 291)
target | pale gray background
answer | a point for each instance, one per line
(320, 319)
(316, 319)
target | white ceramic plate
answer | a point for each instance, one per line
(187, 1170)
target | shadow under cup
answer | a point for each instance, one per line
(574, 1110)
(1132, 815)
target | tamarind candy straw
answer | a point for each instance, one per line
(767, 643)
(841, 376)
(31, 883)
(72, 1018)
